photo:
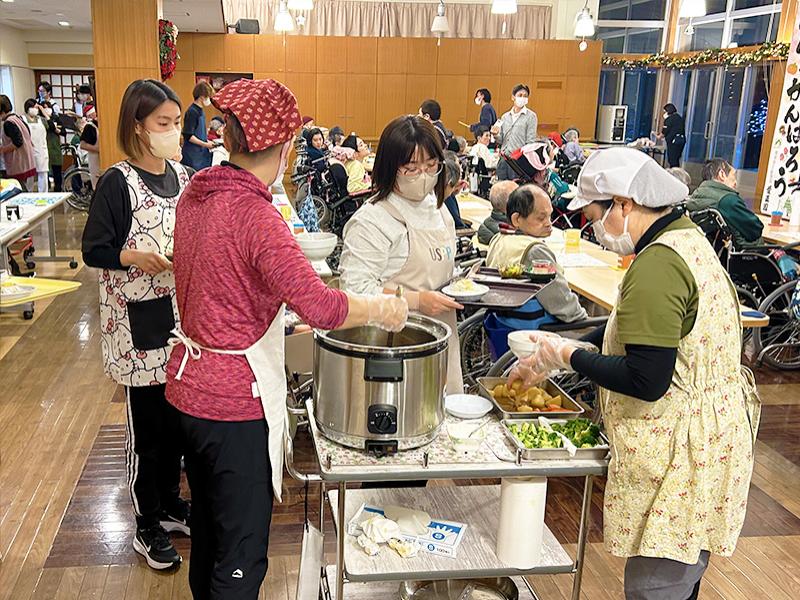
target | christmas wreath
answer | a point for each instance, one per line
(167, 47)
(732, 57)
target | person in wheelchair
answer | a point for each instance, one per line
(357, 178)
(541, 156)
(529, 210)
(453, 183)
(316, 150)
(571, 148)
(481, 147)
(498, 196)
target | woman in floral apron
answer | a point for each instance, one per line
(128, 235)
(237, 265)
(405, 236)
(679, 414)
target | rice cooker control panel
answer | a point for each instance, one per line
(382, 419)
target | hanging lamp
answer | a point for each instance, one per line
(283, 19)
(504, 7)
(692, 8)
(584, 26)
(301, 4)
(440, 26)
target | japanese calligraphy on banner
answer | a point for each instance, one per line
(782, 188)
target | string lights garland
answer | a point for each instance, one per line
(730, 57)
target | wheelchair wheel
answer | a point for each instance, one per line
(475, 357)
(79, 182)
(503, 365)
(778, 344)
(746, 298)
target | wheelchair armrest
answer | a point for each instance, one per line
(556, 327)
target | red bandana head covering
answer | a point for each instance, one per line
(266, 109)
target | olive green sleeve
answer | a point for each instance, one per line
(658, 300)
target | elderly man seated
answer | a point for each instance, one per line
(498, 196)
(529, 211)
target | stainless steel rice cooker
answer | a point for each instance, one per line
(374, 397)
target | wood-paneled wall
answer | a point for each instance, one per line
(363, 83)
(122, 55)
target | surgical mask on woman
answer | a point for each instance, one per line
(48, 112)
(206, 101)
(619, 244)
(284, 164)
(416, 187)
(33, 111)
(520, 101)
(478, 100)
(164, 144)
(665, 116)
(83, 97)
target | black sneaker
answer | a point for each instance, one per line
(154, 545)
(176, 518)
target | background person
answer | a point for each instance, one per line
(572, 148)
(357, 178)
(90, 143)
(231, 396)
(480, 149)
(128, 236)
(55, 156)
(196, 147)
(216, 128)
(453, 186)
(404, 236)
(431, 111)
(674, 134)
(37, 126)
(515, 129)
(498, 197)
(488, 116)
(16, 146)
(671, 353)
(45, 94)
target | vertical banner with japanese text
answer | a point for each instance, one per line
(782, 187)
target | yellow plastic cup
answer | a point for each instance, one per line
(286, 212)
(572, 240)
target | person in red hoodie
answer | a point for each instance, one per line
(236, 266)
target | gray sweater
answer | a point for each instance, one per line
(515, 134)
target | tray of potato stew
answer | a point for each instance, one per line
(517, 401)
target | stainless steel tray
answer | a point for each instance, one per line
(598, 452)
(496, 587)
(532, 453)
(572, 408)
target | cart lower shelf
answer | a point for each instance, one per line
(390, 590)
(476, 506)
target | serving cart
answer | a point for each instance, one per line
(477, 506)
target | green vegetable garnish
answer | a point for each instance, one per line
(581, 432)
(532, 436)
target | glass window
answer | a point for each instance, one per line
(613, 39)
(647, 10)
(679, 94)
(756, 119)
(609, 86)
(613, 9)
(716, 6)
(707, 35)
(752, 30)
(739, 4)
(639, 93)
(727, 121)
(644, 41)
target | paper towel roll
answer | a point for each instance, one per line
(519, 536)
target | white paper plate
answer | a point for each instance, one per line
(476, 294)
(18, 291)
(467, 406)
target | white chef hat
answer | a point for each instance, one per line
(628, 173)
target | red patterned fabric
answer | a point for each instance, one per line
(556, 138)
(266, 109)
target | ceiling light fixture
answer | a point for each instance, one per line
(584, 26)
(301, 4)
(440, 26)
(64, 23)
(504, 7)
(692, 8)
(283, 20)
(7, 1)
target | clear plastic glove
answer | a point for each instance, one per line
(552, 353)
(387, 312)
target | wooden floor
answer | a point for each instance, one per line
(66, 524)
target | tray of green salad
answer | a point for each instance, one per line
(548, 439)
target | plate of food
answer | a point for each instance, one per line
(466, 290)
(517, 401)
(512, 271)
(541, 271)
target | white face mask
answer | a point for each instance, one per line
(622, 244)
(520, 101)
(48, 112)
(284, 164)
(33, 111)
(665, 116)
(82, 97)
(206, 101)
(164, 144)
(416, 187)
(478, 101)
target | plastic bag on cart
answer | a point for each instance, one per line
(308, 579)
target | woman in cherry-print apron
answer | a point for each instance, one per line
(237, 265)
(128, 236)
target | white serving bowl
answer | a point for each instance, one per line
(467, 406)
(318, 245)
(521, 344)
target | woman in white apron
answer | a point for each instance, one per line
(237, 265)
(405, 236)
(37, 125)
(680, 416)
(128, 235)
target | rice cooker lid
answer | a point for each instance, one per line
(422, 336)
